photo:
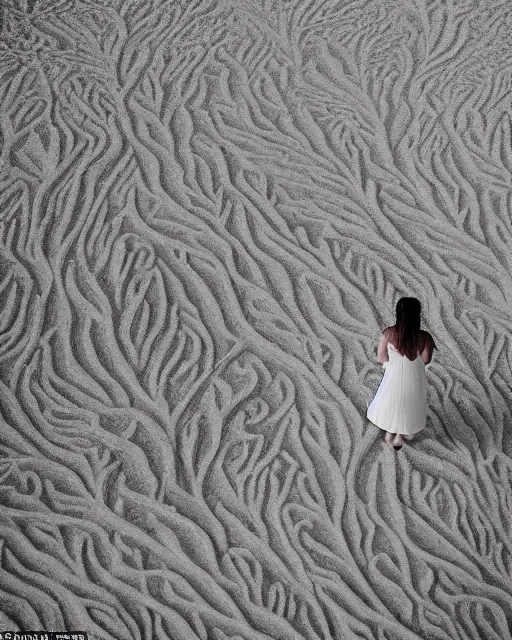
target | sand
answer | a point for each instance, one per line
(208, 211)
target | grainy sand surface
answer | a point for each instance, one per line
(208, 211)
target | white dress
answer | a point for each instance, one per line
(400, 404)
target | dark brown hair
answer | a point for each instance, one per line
(408, 319)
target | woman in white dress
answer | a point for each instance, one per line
(400, 405)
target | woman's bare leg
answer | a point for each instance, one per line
(398, 441)
(388, 438)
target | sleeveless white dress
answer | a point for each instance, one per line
(400, 404)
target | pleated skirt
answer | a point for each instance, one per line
(400, 403)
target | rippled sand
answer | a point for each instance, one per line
(208, 211)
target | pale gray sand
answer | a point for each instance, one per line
(208, 211)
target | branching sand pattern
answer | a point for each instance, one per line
(208, 210)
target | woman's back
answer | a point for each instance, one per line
(424, 347)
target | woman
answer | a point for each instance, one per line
(400, 404)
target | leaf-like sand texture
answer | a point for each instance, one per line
(208, 210)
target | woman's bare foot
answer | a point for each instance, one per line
(398, 441)
(388, 438)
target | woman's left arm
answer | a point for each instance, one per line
(382, 353)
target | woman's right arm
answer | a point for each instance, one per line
(428, 349)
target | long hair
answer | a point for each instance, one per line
(408, 318)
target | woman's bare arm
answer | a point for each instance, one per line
(428, 350)
(382, 349)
